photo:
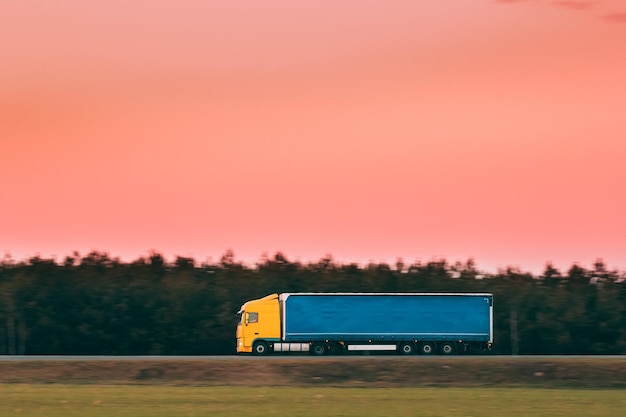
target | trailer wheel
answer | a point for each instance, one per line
(319, 349)
(406, 348)
(427, 348)
(447, 348)
(260, 348)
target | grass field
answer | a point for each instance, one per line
(138, 401)
(338, 372)
(429, 387)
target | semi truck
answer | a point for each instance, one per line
(337, 323)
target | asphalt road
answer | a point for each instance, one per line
(27, 358)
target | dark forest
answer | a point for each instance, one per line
(97, 305)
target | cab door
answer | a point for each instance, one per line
(248, 330)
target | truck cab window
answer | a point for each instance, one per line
(253, 317)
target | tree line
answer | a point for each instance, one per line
(98, 305)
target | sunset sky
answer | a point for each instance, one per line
(370, 130)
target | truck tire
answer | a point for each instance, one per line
(447, 348)
(260, 348)
(319, 349)
(406, 348)
(427, 348)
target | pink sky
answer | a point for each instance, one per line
(369, 130)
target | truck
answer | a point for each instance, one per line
(338, 323)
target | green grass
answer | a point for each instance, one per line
(101, 400)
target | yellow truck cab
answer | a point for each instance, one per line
(259, 325)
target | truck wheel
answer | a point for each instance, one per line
(447, 348)
(318, 349)
(427, 348)
(260, 348)
(406, 348)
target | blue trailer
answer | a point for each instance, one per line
(425, 323)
